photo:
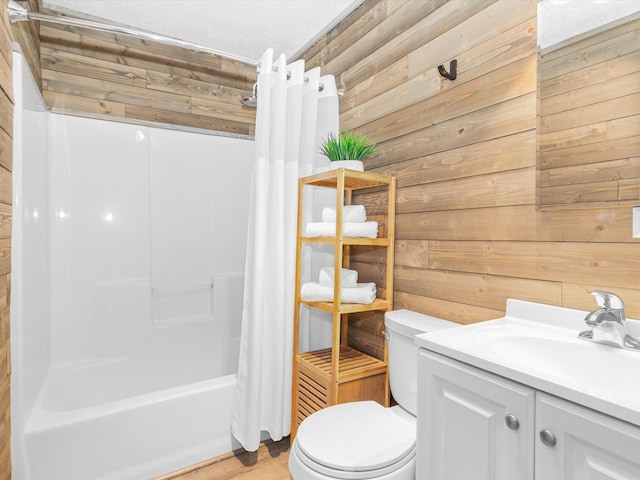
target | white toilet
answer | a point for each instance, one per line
(362, 440)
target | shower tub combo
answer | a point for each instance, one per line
(127, 289)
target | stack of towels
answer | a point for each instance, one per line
(350, 292)
(354, 223)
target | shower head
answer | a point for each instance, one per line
(252, 101)
(17, 13)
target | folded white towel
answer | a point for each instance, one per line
(364, 293)
(348, 279)
(351, 229)
(350, 213)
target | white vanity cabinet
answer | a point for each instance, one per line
(583, 444)
(473, 424)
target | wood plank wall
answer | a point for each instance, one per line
(468, 232)
(6, 161)
(121, 78)
(590, 119)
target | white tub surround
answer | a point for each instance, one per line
(128, 276)
(30, 257)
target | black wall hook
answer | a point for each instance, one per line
(453, 70)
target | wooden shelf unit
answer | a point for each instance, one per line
(341, 374)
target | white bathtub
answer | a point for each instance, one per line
(128, 436)
(162, 408)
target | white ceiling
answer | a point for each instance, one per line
(559, 20)
(245, 28)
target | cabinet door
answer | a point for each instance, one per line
(462, 423)
(585, 445)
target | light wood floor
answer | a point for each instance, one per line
(268, 463)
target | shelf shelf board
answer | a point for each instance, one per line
(353, 180)
(378, 304)
(353, 364)
(381, 242)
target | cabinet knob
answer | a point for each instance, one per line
(547, 438)
(512, 422)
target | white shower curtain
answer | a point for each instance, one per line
(292, 116)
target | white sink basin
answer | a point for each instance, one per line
(599, 368)
(538, 345)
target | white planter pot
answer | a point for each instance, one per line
(348, 164)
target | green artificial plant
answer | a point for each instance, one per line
(347, 146)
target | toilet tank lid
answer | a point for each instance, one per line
(412, 323)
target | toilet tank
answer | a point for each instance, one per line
(400, 327)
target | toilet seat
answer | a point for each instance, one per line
(356, 440)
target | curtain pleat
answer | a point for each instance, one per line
(287, 147)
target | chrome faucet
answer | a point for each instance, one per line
(608, 323)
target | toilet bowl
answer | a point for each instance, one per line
(355, 440)
(364, 440)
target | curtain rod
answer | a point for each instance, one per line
(18, 13)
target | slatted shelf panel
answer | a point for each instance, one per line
(353, 364)
(313, 395)
(358, 373)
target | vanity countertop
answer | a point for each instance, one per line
(537, 345)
